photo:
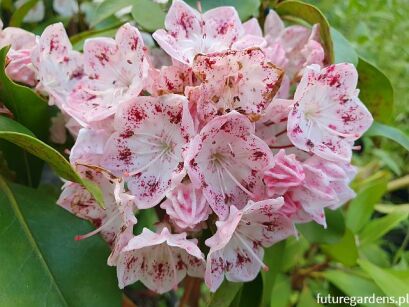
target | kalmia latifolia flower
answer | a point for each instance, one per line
(215, 144)
(236, 249)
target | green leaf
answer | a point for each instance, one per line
(315, 233)
(344, 251)
(19, 135)
(376, 91)
(294, 252)
(353, 285)
(307, 299)
(362, 206)
(245, 8)
(251, 293)
(107, 8)
(375, 254)
(404, 208)
(225, 295)
(343, 50)
(312, 15)
(42, 264)
(390, 283)
(18, 16)
(377, 228)
(280, 296)
(392, 133)
(272, 258)
(148, 14)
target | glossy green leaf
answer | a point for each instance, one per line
(148, 14)
(344, 251)
(245, 8)
(280, 296)
(392, 133)
(362, 206)
(377, 228)
(225, 295)
(376, 91)
(343, 50)
(311, 15)
(18, 16)
(42, 264)
(390, 283)
(315, 233)
(353, 285)
(19, 135)
(107, 8)
(273, 258)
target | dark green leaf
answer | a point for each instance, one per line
(344, 251)
(315, 233)
(280, 296)
(353, 285)
(390, 283)
(107, 8)
(377, 228)
(251, 293)
(42, 264)
(360, 208)
(225, 295)
(394, 134)
(312, 15)
(19, 135)
(376, 91)
(273, 258)
(148, 14)
(343, 50)
(246, 8)
(21, 12)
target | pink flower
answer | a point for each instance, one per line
(159, 260)
(327, 115)
(58, 67)
(234, 80)
(151, 133)
(236, 250)
(325, 186)
(187, 207)
(286, 172)
(301, 45)
(189, 32)
(227, 161)
(19, 39)
(115, 71)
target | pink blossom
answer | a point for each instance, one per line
(115, 70)
(234, 80)
(236, 249)
(327, 116)
(150, 136)
(285, 172)
(58, 67)
(159, 260)
(227, 161)
(187, 207)
(189, 32)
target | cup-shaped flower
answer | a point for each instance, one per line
(227, 161)
(187, 207)
(235, 80)
(236, 249)
(327, 115)
(159, 260)
(189, 32)
(286, 172)
(146, 148)
(58, 67)
(114, 69)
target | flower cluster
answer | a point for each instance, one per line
(217, 139)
